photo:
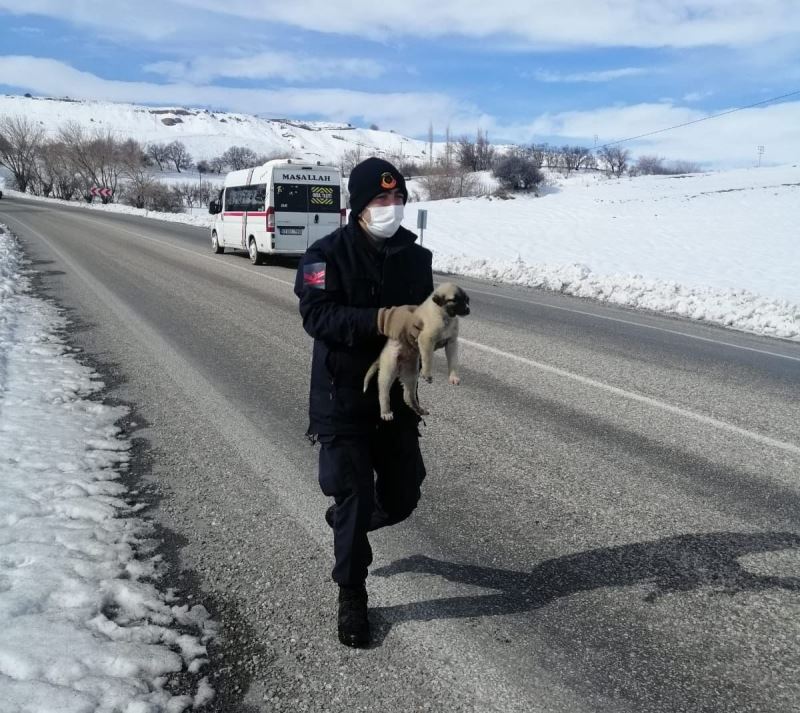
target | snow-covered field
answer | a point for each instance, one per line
(84, 626)
(720, 247)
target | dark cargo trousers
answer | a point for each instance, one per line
(375, 480)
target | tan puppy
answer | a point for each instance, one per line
(439, 315)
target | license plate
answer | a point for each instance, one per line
(291, 231)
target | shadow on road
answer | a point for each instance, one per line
(675, 564)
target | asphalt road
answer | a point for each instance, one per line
(610, 523)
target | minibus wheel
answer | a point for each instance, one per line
(256, 257)
(215, 246)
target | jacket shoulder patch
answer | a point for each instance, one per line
(314, 275)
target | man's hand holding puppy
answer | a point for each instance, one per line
(400, 323)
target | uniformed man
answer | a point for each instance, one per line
(358, 286)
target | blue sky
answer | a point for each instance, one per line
(524, 71)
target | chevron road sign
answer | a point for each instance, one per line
(102, 192)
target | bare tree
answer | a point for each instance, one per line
(41, 180)
(649, 165)
(20, 139)
(159, 154)
(350, 159)
(536, 153)
(678, 167)
(194, 194)
(484, 151)
(217, 165)
(448, 149)
(615, 159)
(517, 172)
(552, 157)
(574, 158)
(458, 182)
(140, 181)
(165, 199)
(430, 143)
(55, 164)
(239, 157)
(178, 155)
(96, 158)
(465, 154)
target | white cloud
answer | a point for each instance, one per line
(405, 112)
(729, 140)
(608, 75)
(266, 65)
(151, 19)
(632, 23)
(726, 141)
(537, 24)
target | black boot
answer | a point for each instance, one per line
(329, 515)
(353, 622)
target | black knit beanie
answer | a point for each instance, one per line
(371, 177)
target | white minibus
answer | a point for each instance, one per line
(279, 208)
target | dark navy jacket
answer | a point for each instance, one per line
(342, 280)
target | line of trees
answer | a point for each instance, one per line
(75, 160)
(657, 166)
(70, 164)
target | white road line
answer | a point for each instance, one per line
(633, 396)
(630, 395)
(635, 324)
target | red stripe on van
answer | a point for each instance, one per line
(234, 213)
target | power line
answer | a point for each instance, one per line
(697, 121)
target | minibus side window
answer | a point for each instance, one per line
(246, 198)
(233, 199)
(260, 197)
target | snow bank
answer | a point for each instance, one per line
(202, 221)
(84, 627)
(738, 309)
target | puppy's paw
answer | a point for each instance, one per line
(388, 416)
(427, 377)
(454, 380)
(422, 411)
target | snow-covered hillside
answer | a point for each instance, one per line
(209, 133)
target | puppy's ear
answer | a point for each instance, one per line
(439, 299)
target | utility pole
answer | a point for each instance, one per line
(760, 149)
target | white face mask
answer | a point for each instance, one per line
(383, 221)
